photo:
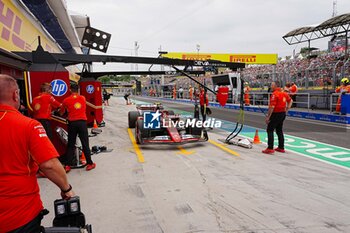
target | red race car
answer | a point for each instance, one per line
(154, 124)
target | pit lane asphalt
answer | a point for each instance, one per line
(334, 134)
(205, 190)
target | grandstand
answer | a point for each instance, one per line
(324, 70)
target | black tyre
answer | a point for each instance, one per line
(205, 135)
(140, 132)
(196, 131)
(132, 117)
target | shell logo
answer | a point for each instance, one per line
(77, 105)
(37, 107)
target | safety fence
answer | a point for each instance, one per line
(263, 98)
(294, 112)
(186, 95)
(121, 91)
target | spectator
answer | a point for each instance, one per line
(25, 148)
(304, 71)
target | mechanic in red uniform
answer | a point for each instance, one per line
(293, 93)
(246, 90)
(24, 148)
(42, 106)
(75, 105)
(203, 102)
(280, 103)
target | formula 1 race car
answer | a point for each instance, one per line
(163, 126)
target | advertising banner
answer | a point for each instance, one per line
(19, 32)
(245, 58)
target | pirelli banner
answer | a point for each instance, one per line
(258, 58)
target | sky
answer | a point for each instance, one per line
(217, 26)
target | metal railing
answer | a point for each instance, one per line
(185, 95)
(260, 98)
(263, 98)
(256, 98)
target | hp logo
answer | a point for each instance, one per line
(90, 89)
(59, 87)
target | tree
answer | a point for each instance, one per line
(104, 79)
(125, 78)
(307, 50)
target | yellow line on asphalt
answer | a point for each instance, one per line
(222, 147)
(138, 152)
(184, 151)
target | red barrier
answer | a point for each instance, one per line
(222, 95)
(92, 90)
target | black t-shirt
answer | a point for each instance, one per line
(106, 96)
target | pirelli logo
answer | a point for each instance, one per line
(248, 58)
(202, 57)
(243, 58)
